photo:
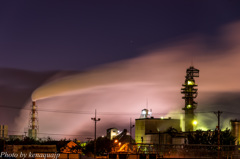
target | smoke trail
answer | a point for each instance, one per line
(124, 86)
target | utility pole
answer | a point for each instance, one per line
(95, 140)
(131, 126)
(218, 114)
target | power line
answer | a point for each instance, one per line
(231, 112)
(48, 110)
(44, 133)
(102, 113)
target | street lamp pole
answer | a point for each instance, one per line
(131, 126)
(218, 113)
(95, 140)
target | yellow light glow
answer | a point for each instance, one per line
(189, 106)
(203, 128)
(190, 82)
(194, 122)
(115, 141)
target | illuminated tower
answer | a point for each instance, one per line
(190, 92)
(33, 124)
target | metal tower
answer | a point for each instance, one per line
(33, 122)
(190, 92)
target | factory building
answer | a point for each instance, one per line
(235, 130)
(3, 131)
(112, 132)
(150, 130)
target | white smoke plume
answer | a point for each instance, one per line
(120, 90)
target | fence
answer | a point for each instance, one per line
(147, 151)
(190, 151)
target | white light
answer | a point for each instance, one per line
(194, 122)
(190, 83)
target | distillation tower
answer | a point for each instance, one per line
(33, 122)
(189, 91)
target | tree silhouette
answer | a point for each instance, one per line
(172, 131)
(211, 137)
(103, 146)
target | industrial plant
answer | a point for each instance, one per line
(150, 130)
(160, 137)
(169, 138)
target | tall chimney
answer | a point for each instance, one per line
(33, 124)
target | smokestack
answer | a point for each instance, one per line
(33, 118)
(33, 124)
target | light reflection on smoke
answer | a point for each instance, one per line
(125, 86)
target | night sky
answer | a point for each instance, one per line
(114, 56)
(74, 35)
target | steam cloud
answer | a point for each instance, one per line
(120, 90)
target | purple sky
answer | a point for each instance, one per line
(75, 35)
(117, 55)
